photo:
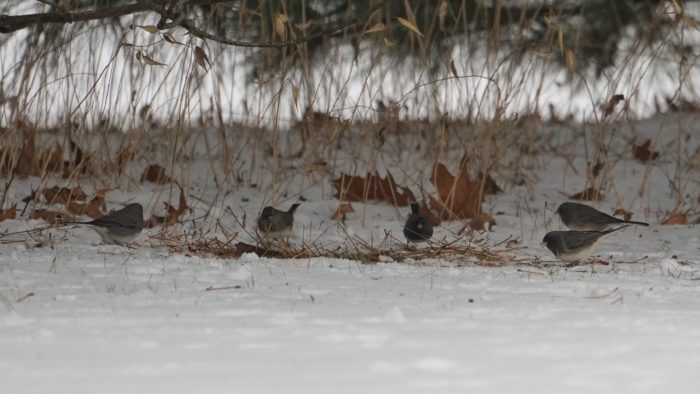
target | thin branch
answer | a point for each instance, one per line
(10, 23)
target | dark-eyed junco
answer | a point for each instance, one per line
(417, 227)
(571, 246)
(118, 227)
(274, 222)
(582, 217)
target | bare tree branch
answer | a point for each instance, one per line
(10, 23)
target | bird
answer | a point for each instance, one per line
(581, 217)
(118, 227)
(275, 223)
(572, 246)
(417, 227)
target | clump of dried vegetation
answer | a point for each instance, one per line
(169, 128)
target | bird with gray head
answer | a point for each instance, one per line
(417, 227)
(582, 217)
(273, 222)
(572, 246)
(118, 227)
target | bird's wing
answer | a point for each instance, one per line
(602, 219)
(583, 239)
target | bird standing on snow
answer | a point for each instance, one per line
(274, 223)
(417, 227)
(572, 246)
(118, 227)
(582, 217)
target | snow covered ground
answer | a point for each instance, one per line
(101, 320)
(76, 316)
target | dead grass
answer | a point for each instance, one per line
(296, 127)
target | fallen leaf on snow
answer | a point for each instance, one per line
(480, 221)
(372, 187)
(155, 174)
(172, 214)
(343, 208)
(10, 213)
(91, 209)
(644, 154)
(51, 217)
(63, 195)
(612, 103)
(675, 218)
(627, 215)
(458, 196)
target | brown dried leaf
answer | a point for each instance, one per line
(376, 28)
(453, 69)
(280, 20)
(51, 217)
(175, 214)
(27, 162)
(372, 187)
(91, 209)
(142, 57)
(627, 215)
(10, 213)
(201, 58)
(675, 218)
(63, 195)
(458, 196)
(155, 174)
(410, 26)
(153, 221)
(169, 38)
(590, 194)
(172, 214)
(479, 222)
(610, 106)
(644, 154)
(100, 195)
(343, 208)
(149, 28)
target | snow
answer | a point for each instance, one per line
(77, 316)
(111, 322)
